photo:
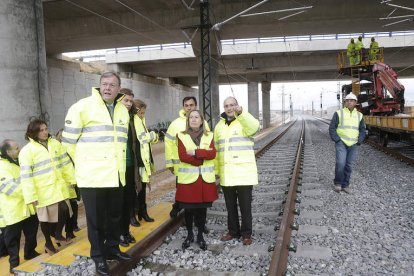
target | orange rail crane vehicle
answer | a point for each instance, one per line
(374, 83)
(380, 95)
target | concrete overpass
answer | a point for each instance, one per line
(75, 25)
(305, 59)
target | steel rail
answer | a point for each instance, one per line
(391, 152)
(261, 151)
(147, 245)
(151, 242)
(279, 261)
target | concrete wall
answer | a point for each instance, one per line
(22, 65)
(68, 85)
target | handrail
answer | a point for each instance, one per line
(282, 39)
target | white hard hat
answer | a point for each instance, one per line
(351, 96)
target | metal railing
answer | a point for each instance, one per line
(281, 39)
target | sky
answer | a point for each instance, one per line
(303, 93)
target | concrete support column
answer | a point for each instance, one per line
(266, 86)
(253, 98)
(23, 71)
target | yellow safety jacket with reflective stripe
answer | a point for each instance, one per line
(170, 141)
(235, 159)
(46, 174)
(2, 222)
(359, 45)
(373, 48)
(13, 207)
(348, 125)
(351, 50)
(187, 173)
(146, 139)
(96, 143)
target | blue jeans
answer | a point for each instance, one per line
(343, 168)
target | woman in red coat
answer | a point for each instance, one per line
(196, 188)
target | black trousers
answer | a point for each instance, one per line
(196, 215)
(103, 207)
(242, 195)
(72, 222)
(129, 195)
(12, 235)
(142, 197)
(3, 249)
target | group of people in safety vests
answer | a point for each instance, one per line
(105, 158)
(356, 52)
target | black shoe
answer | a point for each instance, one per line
(202, 243)
(123, 241)
(206, 230)
(175, 210)
(143, 213)
(120, 256)
(76, 229)
(70, 236)
(33, 255)
(134, 222)
(187, 242)
(145, 216)
(130, 238)
(101, 268)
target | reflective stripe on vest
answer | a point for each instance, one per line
(197, 169)
(187, 173)
(169, 136)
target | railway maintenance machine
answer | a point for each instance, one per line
(380, 94)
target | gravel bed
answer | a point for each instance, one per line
(371, 230)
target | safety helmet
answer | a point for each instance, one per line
(351, 96)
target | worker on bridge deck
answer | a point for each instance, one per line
(373, 50)
(351, 52)
(347, 130)
(360, 51)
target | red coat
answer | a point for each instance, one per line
(199, 191)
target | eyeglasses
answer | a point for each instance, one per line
(111, 85)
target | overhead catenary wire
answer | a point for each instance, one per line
(143, 35)
(218, 25)
(276, 11)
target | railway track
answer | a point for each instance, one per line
(274, 206)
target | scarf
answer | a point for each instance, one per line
(196, 135)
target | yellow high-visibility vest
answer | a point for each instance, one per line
(171, 151)
(348, 125)
(187, 173)
(13, 207)
(146, 139)
(235, 159)
(96, 143)
(46, 174)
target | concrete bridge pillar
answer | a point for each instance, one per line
(266, 86)
(253, 98)
(23, 71)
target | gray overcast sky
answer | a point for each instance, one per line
(303, 93)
